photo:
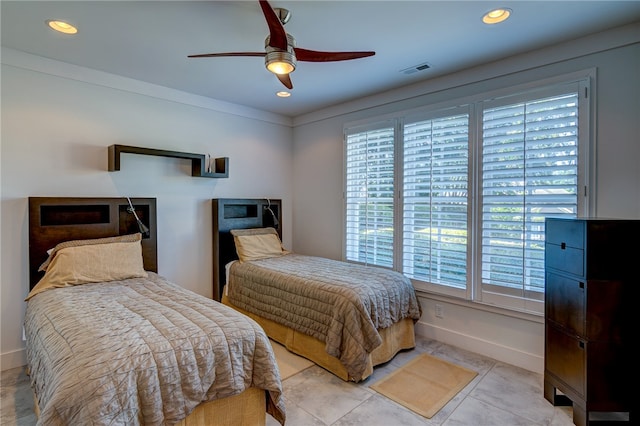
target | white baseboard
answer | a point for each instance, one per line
(513, 356)
(13, 359)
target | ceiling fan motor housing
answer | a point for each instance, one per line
(275, 57)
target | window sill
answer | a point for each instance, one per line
(529, 316)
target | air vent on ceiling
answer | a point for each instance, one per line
(416, 68)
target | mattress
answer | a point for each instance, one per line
(341, 304)
(141, 351)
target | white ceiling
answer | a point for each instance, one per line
(150, 41)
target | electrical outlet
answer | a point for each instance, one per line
(439, 313)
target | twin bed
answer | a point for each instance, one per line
(343, 316)
(109, 341)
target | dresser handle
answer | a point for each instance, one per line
(581, 344)
(581, 284)
(563, 246)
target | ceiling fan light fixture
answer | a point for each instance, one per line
(283, 94)
(279, 62)
(496, 16)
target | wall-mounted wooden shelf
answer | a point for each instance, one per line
(198, 161)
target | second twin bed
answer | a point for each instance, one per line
(344, 316)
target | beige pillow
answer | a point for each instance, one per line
(93, 241)
(84, 264)
(257, 243)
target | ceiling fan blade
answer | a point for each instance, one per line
(286, 80)
(277, 34)
(316, 56)
(213, 55)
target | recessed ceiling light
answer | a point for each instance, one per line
(62, 26)
(496, 15)
(283, 94)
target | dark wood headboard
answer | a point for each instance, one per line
(53, 220)
(238, 213)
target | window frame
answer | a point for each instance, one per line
(475, 291)
(368, 127)
(432, 113)
(484, 293)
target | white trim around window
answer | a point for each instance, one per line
(439, 204)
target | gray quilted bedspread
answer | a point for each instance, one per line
(141, 351)
(339, 303)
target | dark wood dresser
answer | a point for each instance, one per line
(592, 279)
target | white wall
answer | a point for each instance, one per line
(318, 172)
(57, 122)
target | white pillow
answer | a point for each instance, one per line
(257, 243)
(74, 243)
(76, 265)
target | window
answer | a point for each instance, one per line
(435, 200)
(369, 194)
(456, 198)
(529, 171)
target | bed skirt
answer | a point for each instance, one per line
(398, 337)
(244, 409)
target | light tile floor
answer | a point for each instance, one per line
(500, 395)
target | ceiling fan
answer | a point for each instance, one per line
(281, 53)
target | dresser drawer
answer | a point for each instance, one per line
(569, 233)
(565, 302)
(565, 358)
(564, 258)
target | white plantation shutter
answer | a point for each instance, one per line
(436, 200)
(529, 171)
(455, 197)
(369, 195)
